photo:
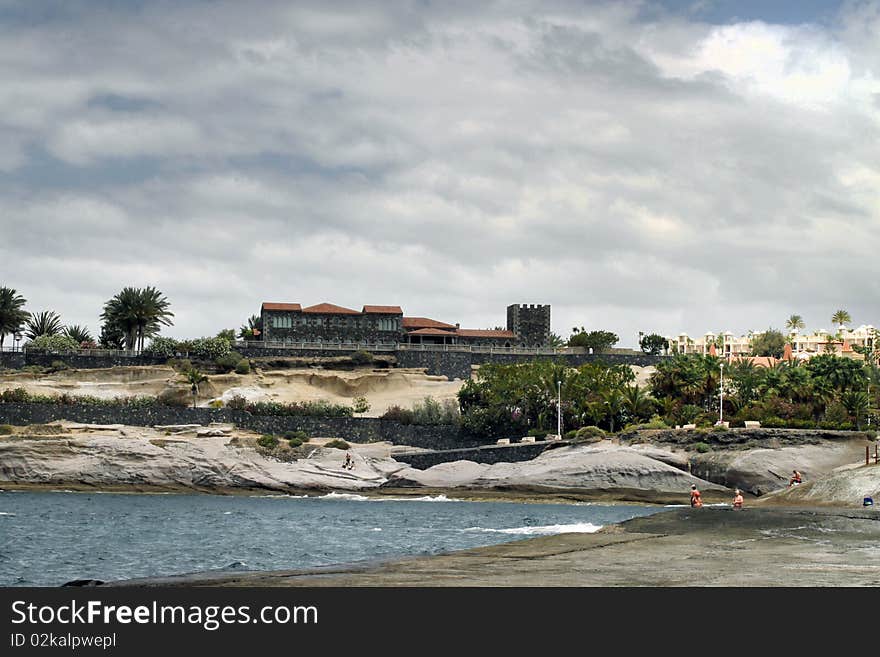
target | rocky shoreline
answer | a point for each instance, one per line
(753, 547)
(815, 534)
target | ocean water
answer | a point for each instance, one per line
(49, 538)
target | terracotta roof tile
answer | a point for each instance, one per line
(383, 310)
(268, 305)
(424, 322)
(488, 333)
(330, 309)
(432, 331)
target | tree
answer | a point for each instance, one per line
(44, 323)
(638, 405)
(79, 334)
(12, 313)
(769, 343)
(598, 341)
(795, 323)
(653, 344)
(857, 403)
(253, 330)
(194, 377)
(361, 404)
(138, 314)
(841, 318)
(555, 341)
(228, 335)
(112, 337)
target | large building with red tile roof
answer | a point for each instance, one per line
(290, 323)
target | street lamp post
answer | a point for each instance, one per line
(559, 409)
(721, 397)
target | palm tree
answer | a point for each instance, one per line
(795, 323)
(45, 323)
(636, 403)
(613, 404)
(78, 334)
(254, 323)
(12, 316)
(841, 318)
(138, 313)
(194, 377)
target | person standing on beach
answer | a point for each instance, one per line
(738, 500)
(696, 498)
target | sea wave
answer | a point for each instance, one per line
(542, 530)
(363, 498)
(4, 513)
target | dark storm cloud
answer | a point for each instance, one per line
(635, 167)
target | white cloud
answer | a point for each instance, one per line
(658, 175)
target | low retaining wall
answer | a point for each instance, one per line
(18, 359)
(354, 429)
(486, 454)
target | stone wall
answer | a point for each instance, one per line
(451, 364)
(18, 359)
(486, 454)
(354, 429)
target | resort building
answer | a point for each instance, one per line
(845, 342)
(288, 323)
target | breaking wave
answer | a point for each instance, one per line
(542, 530)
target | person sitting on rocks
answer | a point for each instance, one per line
(795, 478)
(349, 464)
(696, 498)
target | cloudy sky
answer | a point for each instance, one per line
(641, 166)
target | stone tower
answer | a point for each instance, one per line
(531, 323)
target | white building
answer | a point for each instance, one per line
(818, 342)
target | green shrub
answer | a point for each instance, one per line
(162, 347)
(336, 443)
(59, 365)
(179, 364)
(361, 405)
(318, 408)
(228, 362)
(718, 428)
(52, 343)
(14, 396)
(398, 414)
(207, 348)
(237, 403)
(689, 413)
(590, 433)
(297, 435)
(267, 441)
(362, 357)
(5, 429)
(243, 366)
(537, 433)
(655, 422)
(217, 403)
(570, 435)
(295, 442)
(702, 448)
(430, 412)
